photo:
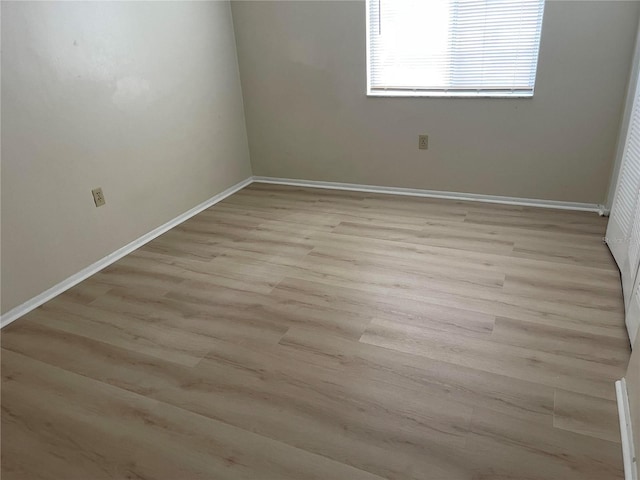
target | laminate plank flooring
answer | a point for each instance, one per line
(295, 333)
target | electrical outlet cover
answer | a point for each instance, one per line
(98, 197)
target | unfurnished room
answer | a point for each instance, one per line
(320, 239)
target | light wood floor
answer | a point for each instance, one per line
(291, 333)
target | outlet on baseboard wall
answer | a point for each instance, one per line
(423, 142)
(98, 197)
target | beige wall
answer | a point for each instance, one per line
(302, 67)
(632, 379)
(140, 98)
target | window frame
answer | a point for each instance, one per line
(452, 93)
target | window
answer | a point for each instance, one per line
(453, 47)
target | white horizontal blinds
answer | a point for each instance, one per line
(494, 44)
(409, 44)
(449, 45)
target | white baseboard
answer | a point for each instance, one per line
(626, 433)
(414, 192)
(76, 278)
(47, 295)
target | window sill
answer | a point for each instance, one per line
(442, 94)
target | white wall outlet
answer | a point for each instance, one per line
(423, 142)
(98, 197)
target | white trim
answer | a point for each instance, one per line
(442, 92)
(380, 92)
(76, 278)
(367, 46)
(626, 434)
(414, 192)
